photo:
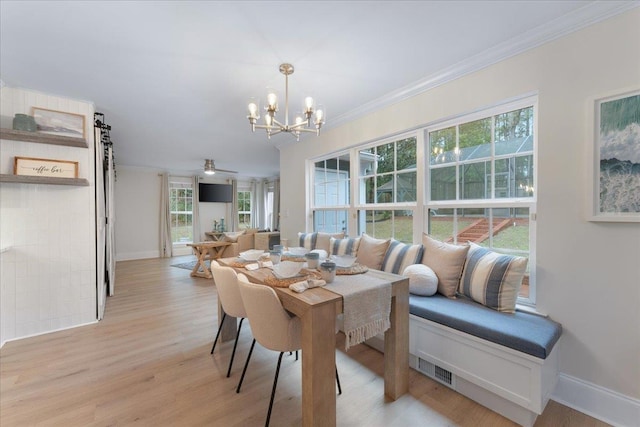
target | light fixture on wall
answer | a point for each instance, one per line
(310, 119)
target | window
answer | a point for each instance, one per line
(181, 207)
(244, 209)
(388, 180)
(331, 195)
(481, 182)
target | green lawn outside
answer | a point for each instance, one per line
(514, 237)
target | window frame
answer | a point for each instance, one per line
(493, 201)
(423, 204)
(244, 212)
(361, 208)
(183, 183)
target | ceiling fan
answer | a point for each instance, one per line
(210, 168)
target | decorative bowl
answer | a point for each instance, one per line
(343, 261)
(251, 254)
(286, 269)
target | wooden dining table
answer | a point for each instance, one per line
(317, 309)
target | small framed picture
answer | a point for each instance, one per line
(59, 123)
(614, 193)
(31, 166)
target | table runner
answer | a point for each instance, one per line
(366, 306)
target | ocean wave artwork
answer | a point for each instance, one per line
(620, 155)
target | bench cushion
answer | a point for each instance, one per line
(524, 332)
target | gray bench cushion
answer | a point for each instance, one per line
(524, 332)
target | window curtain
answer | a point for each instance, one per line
(257, 204)
(275, 219)
(195, 208)
(235, 224)
(166, 246)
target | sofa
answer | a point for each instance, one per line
(251, 238)
(464, 328)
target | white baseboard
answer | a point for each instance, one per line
(47, 332)
(127, 256)
(598, 402)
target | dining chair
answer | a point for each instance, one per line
(226, 282)
(272, 326)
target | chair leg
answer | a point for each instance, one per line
(273, 391)
(233, 353)
(224, 316)
(338, 381)
(245, 366)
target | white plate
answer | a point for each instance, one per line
(287, 269)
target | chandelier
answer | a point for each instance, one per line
(310, 119)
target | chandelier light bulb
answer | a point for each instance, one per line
(320, 116)
(254, 109)
(308, 104)
(272, 101)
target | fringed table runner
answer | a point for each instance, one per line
(366, 306)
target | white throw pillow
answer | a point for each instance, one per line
(232, 236)
(422, 280)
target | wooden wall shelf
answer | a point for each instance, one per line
(42, 138)
(25, 179)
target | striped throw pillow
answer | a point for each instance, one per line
(492, 279)
(400, 255)
(308, 240)
(347, 246)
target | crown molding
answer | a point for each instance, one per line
(557, 28)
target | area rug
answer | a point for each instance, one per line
(189, 265)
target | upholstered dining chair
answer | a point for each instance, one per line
(226, 282)
(272, 327)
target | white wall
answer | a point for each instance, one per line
(137, 201)
(48, 270)
(588, 273)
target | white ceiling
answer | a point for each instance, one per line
(173, 78)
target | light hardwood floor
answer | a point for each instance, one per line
(148, 363)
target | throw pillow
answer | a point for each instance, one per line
(422, 280)
(307, 240)
(324, 240)
(492, 279)
(371, 251)
(447, 261)
(232, 236)
(400, 255)
(346, 246)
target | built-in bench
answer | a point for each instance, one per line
(504, 361)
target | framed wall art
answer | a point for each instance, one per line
(31, 166)
(59, 123)
(615, 165)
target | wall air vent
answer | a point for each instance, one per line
(436, 372)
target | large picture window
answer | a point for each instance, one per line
(481, 182)
(181, 208)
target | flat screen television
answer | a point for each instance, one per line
(220, 193)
